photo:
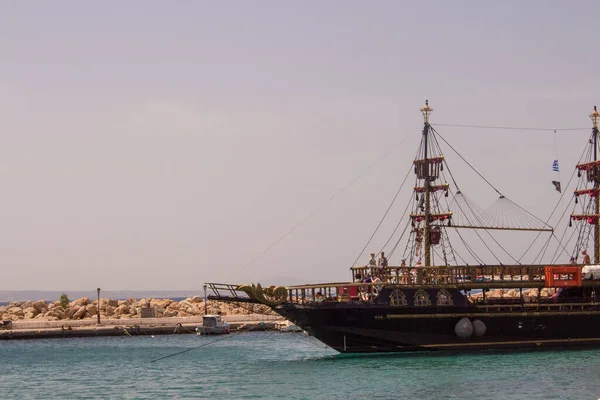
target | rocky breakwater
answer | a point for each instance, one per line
(84, 308)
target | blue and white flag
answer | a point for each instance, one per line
(555, 166)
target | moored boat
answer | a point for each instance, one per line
(213, 325)
(436, 299)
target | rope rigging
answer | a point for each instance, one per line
(382, 218)
(584, 201)
(338, 193)
(459, 211)
(509, 128)
(581, 157)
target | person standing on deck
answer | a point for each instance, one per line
(382, 262)
(372, 263)
(403, 278)
(586, 257)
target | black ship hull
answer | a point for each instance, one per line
(409, 318)
(360, 328)
(426, 305)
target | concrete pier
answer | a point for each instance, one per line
(129, 327)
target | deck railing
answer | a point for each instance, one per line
(440, 275)
(463, 278)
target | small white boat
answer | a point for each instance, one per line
(287, 326)
(213, 325)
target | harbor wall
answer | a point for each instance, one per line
(129, 327)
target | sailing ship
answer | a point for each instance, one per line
(436, 300)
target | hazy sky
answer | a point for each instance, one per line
(158, 145)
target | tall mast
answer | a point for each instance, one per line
(426, 112)
(595, 116)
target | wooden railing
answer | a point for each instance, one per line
(463, 278)
(450, 275)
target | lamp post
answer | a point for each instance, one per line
(98, 290)
(205, 299)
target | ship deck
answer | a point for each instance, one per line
(528, 281)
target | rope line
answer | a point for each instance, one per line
(325, 203)
(557, 204)
(202, 345)
(512, 128)
(383, 218)
(468, 163)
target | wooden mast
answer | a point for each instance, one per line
(595, 116)
(426, 112)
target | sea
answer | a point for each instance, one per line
(273, 365)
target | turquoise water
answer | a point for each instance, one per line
(275, 365)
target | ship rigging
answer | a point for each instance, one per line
(430, 303)
(439, 207)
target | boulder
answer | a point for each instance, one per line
(15, 311)
(80, 313)
(60, 312)
(170, 313)
(122, 309)
(40, 306)
(92, 309)
(160, 303)
(30, 313)
(84, 301)
(54, 314)
(185, 303)
(142, 303)
(70, 311)
(196, 299)
(110, 310)
(113, 303)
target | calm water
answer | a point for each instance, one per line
(275, 365)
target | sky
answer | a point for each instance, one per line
(159, 145)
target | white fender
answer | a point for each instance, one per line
(479, 327)
(464, 328)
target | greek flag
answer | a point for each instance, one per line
(557, 186)
(555, 166)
